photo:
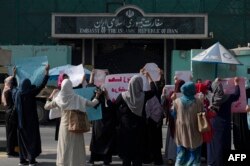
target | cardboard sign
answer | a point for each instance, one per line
(184, 75)
(229, 87)
(117, 83)
(153, 70)
(169, 89)
(32, 68)
(92, 112)
(99, 77)
(75, 74)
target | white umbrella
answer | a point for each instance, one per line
(217, 54)
(56, 70)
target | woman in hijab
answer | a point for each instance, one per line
(153, 137)
(103, 139)
(131, 112)
(70, 148)
(187, 137)
(170, 146)
(28, 124)
(241, 130)
(221, 141)
(10, 116)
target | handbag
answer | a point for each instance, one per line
(78, 122)
(203, 125)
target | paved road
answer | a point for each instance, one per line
(48, 156)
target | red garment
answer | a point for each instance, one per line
(207, 136)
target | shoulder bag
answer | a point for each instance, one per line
(203, 125)
(78, 122)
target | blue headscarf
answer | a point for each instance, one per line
(24, 88)
(188, 90)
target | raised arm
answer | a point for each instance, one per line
(38, 88)
(95, 101)
(235, 96)
(153, 91)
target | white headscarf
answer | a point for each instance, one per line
(134, 96)
(7, 86)
(68, 100)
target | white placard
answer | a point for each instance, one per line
(117, 83)
(184, 75)
(75, 74)
(153, 70)
(169, 89)
(228, 85)
(99, 77)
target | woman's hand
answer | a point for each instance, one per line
(164, 92)
(14, 71)
(47, 67)
(236, 81)
(148, 76)
(174, 96)
(53, 93)
(248, 108)
(98, 94)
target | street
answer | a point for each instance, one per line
(48, 156)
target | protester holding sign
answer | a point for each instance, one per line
(10, 84)
(170, 146)
(221, 123)
(154, 114)
(103, 140)
(187, 137)
(241, 130)
(70, 149)
(130, 105)
(28, 125)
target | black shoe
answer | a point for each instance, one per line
(106, 163)
(23, 162)
(33, 163)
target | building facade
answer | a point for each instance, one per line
(31, 23)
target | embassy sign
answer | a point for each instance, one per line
(129, 22)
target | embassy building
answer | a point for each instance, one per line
(123, 35)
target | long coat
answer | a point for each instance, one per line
(103, 140)
(132, 132)
(29, 134)
(221, 142)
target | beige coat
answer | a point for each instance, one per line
(186, 129)
(70, 147)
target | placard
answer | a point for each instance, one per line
(229, 87)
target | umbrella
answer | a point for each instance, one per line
(56, 70)
(217, 54)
